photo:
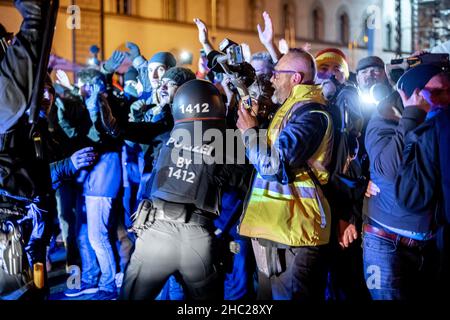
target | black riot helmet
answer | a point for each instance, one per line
(5, 40)
(198, 100)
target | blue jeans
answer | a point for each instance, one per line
(90, 270)
(98, 211)
(396, 272)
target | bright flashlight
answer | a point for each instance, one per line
(186, 57)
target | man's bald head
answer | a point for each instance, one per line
(294, 68)
(301, 61)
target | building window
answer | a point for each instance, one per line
(344, 23)
(256, 9)
(389, 36)
(221, 13)
(288, 19)
(170, 8)
(318, 24)
(124, 7)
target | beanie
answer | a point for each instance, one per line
(131, 75)
(333, 55)
(179, 75)
(165, 58)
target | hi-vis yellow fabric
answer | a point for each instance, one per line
(300, 93)
(296, 214)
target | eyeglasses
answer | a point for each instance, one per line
(169, 83)
(276, 73)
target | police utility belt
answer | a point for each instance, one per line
(13, 218)
(12, 247)
(151, 210)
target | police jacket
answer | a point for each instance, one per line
(19, 173)
(194, 182)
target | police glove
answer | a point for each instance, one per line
(31, 12)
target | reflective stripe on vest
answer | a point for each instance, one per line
(296, 214)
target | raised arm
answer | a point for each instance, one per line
(203, 36)
(266, 37)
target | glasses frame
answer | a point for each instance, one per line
(275, 73)
(168, 84)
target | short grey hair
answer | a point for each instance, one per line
(264, 56)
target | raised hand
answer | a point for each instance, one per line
(92, 102)
(266, 35)
(283, 46)
(63, 79)
(203, 35)
(134, 50)
(307, 47)
(202, 31)
(115, 61)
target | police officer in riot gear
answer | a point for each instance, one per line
(25, 184)
(175, 224)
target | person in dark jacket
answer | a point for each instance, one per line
(25, 187)
(101, 184)
(423, 182)
(399, 250)
(346, 201)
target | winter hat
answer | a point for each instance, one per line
(166, 58)
(333, 55)
(370, 62)
(179, 75)
(131, 75)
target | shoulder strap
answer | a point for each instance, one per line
(313, 177)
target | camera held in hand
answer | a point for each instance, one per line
(398, 67)
(231, 61)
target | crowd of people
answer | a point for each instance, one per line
(342, 193)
